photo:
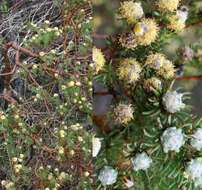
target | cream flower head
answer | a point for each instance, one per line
(152, 84)
(155, 61)
(168, 5)
(167, 70)
(98, 59)
(123, 113)
(131, 11)
(128, 40)
(146, 31)
(129, 70)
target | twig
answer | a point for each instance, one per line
(190, 78)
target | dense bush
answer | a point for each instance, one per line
(46, 87)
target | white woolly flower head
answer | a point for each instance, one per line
(172, 139)
(196, 140)
(108, 176)
(141, 161)
(172, 101)
(96, 146)
(131, 11)
(194, 171)
(182, 13)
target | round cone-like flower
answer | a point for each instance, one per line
(155, 61)
(131, 11)
(146, 31)
(172, 139)
(152, 84)
(194, 171)
(196, 140)
(141, 161)
(108, 176)
(123, 113)
(128, 40)
(98, 59)
(168, 5)
(129, 70)
(172, 101)
(187, 53)
(167, 70)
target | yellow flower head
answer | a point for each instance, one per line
(152, 84)
(146, 31)
(131, 11)
(167, 70)
(128, 40)
(168, 5)
(123, 113)
(155, 61)
(98, 59)
(129, 70)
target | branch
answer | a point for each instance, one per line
(190, 78)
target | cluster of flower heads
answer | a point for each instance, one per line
(177, 16)
(146, 30)
(173, 138)
(161, 65)
(130, 70)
